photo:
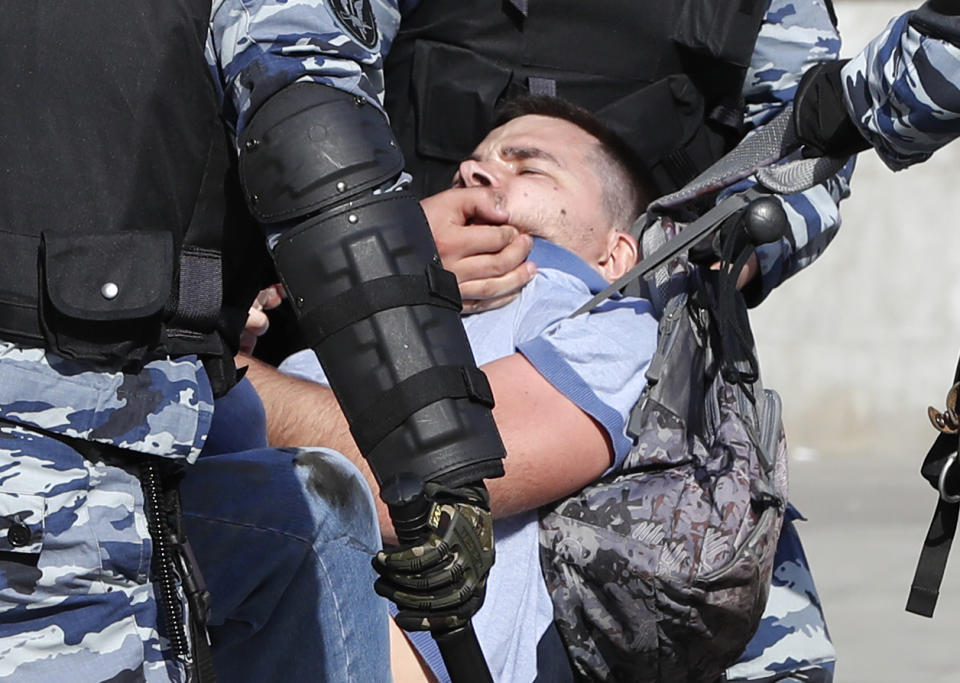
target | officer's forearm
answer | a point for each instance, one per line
(360, 267)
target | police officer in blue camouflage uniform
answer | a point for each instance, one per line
(737, 66)
(132, 184)
(899, 95)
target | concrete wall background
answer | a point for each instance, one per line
(862, 341)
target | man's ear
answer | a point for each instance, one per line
(622, 254)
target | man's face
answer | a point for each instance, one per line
(541, 170)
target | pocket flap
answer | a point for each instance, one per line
(116, 276)
(467, 85)
(21, 523)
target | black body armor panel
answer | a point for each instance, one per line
(666, 76)
(116, 182)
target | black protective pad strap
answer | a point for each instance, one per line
(200, 292)
(437, 287)
(925, 588)
(199, 295)
(936, 546)
(394, 406)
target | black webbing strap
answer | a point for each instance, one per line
(418, 391)
(691, 234)
(925, 588)
(200, 290)
(739, 362)
(437, 287)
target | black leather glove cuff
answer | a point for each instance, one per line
(820, 115)
(939, 19)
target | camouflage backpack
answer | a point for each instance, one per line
(660, 571)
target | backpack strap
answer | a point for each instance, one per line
(759, 154)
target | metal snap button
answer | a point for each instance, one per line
(109, 290)
(19, 535)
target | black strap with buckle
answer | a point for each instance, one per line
(939, 468)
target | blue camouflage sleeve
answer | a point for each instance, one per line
(258, 47)
(795, 35)
(903, 89)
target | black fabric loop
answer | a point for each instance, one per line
(736, 339)
(200, 291)
(443, 284)
(925, 588)
(437, 288)
(738, 362)
(401, 401)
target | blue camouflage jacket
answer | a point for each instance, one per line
(903, 89)
(254, 49)
(795, 35)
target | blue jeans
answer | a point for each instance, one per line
(284, 539)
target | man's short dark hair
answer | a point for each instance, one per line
(612, 147)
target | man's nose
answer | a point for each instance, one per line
(474, 174)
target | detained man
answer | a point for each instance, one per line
(563, 387)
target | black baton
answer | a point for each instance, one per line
(409, 511)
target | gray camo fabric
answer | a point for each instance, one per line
(661, 572)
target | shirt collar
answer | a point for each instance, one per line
(549, 255)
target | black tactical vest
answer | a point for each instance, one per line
(666, 75)
(116, 184)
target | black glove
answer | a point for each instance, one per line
(820, 116)
(439, 583)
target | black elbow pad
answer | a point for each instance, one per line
(311, 147)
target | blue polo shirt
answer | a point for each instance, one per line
(598, 361)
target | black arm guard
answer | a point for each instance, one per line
(362, 273)
(820, 115)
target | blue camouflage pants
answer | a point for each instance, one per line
(76, 603)
(792, 642)
(283, 537)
